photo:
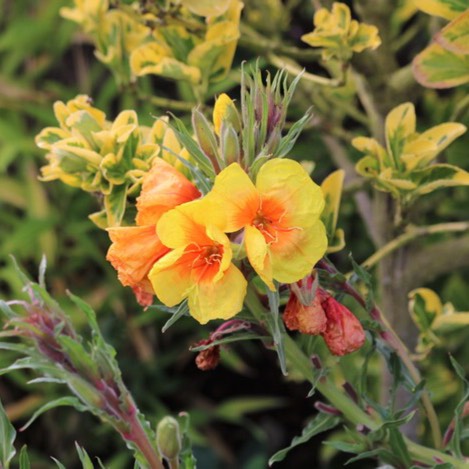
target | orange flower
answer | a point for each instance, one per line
(344, 332)
(135, 249)
(283, 234)
(199, 265)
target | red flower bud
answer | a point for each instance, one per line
(209, 358)
(344, 332)
(308, 319)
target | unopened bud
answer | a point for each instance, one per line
(205, 136)
(168, 438)
(209, 358)
(230, 148)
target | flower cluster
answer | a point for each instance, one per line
(108, 158)
(188, 249)
(259, 214)
(187, 40)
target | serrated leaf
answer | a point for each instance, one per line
(436, 67)
(321, 423)
(7, 439)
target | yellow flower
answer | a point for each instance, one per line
(199, 265)
(283, 235)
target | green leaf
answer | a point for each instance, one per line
(7, 439)
(277, 328)
(24, 458)
(186, 140)
(436, 67)
(182, 310)
(84, 458)
(448, 9)
(455, 36)
(399, 447)
(321, 423)
(234, 410)
(114, 204)
(60, 402)
(438, 176)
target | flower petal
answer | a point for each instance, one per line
(218, 300)
(296, 252)
(186, 224)
(133, 252)
(236, 193)
(286, 182)
(170, 277)
(258, 254)
(163, 189)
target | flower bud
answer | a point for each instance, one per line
(168, 438)
(344, 332)
(308, 319)
(209, 358)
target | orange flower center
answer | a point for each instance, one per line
(205, 260)
(270, 221)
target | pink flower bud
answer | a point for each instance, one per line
(344, 332)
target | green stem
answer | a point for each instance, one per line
(411, 234)
(251, 39)
(294, 70)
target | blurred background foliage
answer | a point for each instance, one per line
(242, 412)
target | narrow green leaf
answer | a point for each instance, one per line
(24, 458)
(7, 439)
(277, 328)
(84, 458)
(60, 402)
(182, 310)
(321, 423)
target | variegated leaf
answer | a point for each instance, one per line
(455, 36)
(448, 9)
(436, 67)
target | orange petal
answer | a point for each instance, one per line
(163, 189)
(133, 252)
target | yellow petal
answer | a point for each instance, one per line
(188, 223)
(296, 259)
(170, 278)
(287, 182)
(258, 254)
(236, 193)
(218, 300)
